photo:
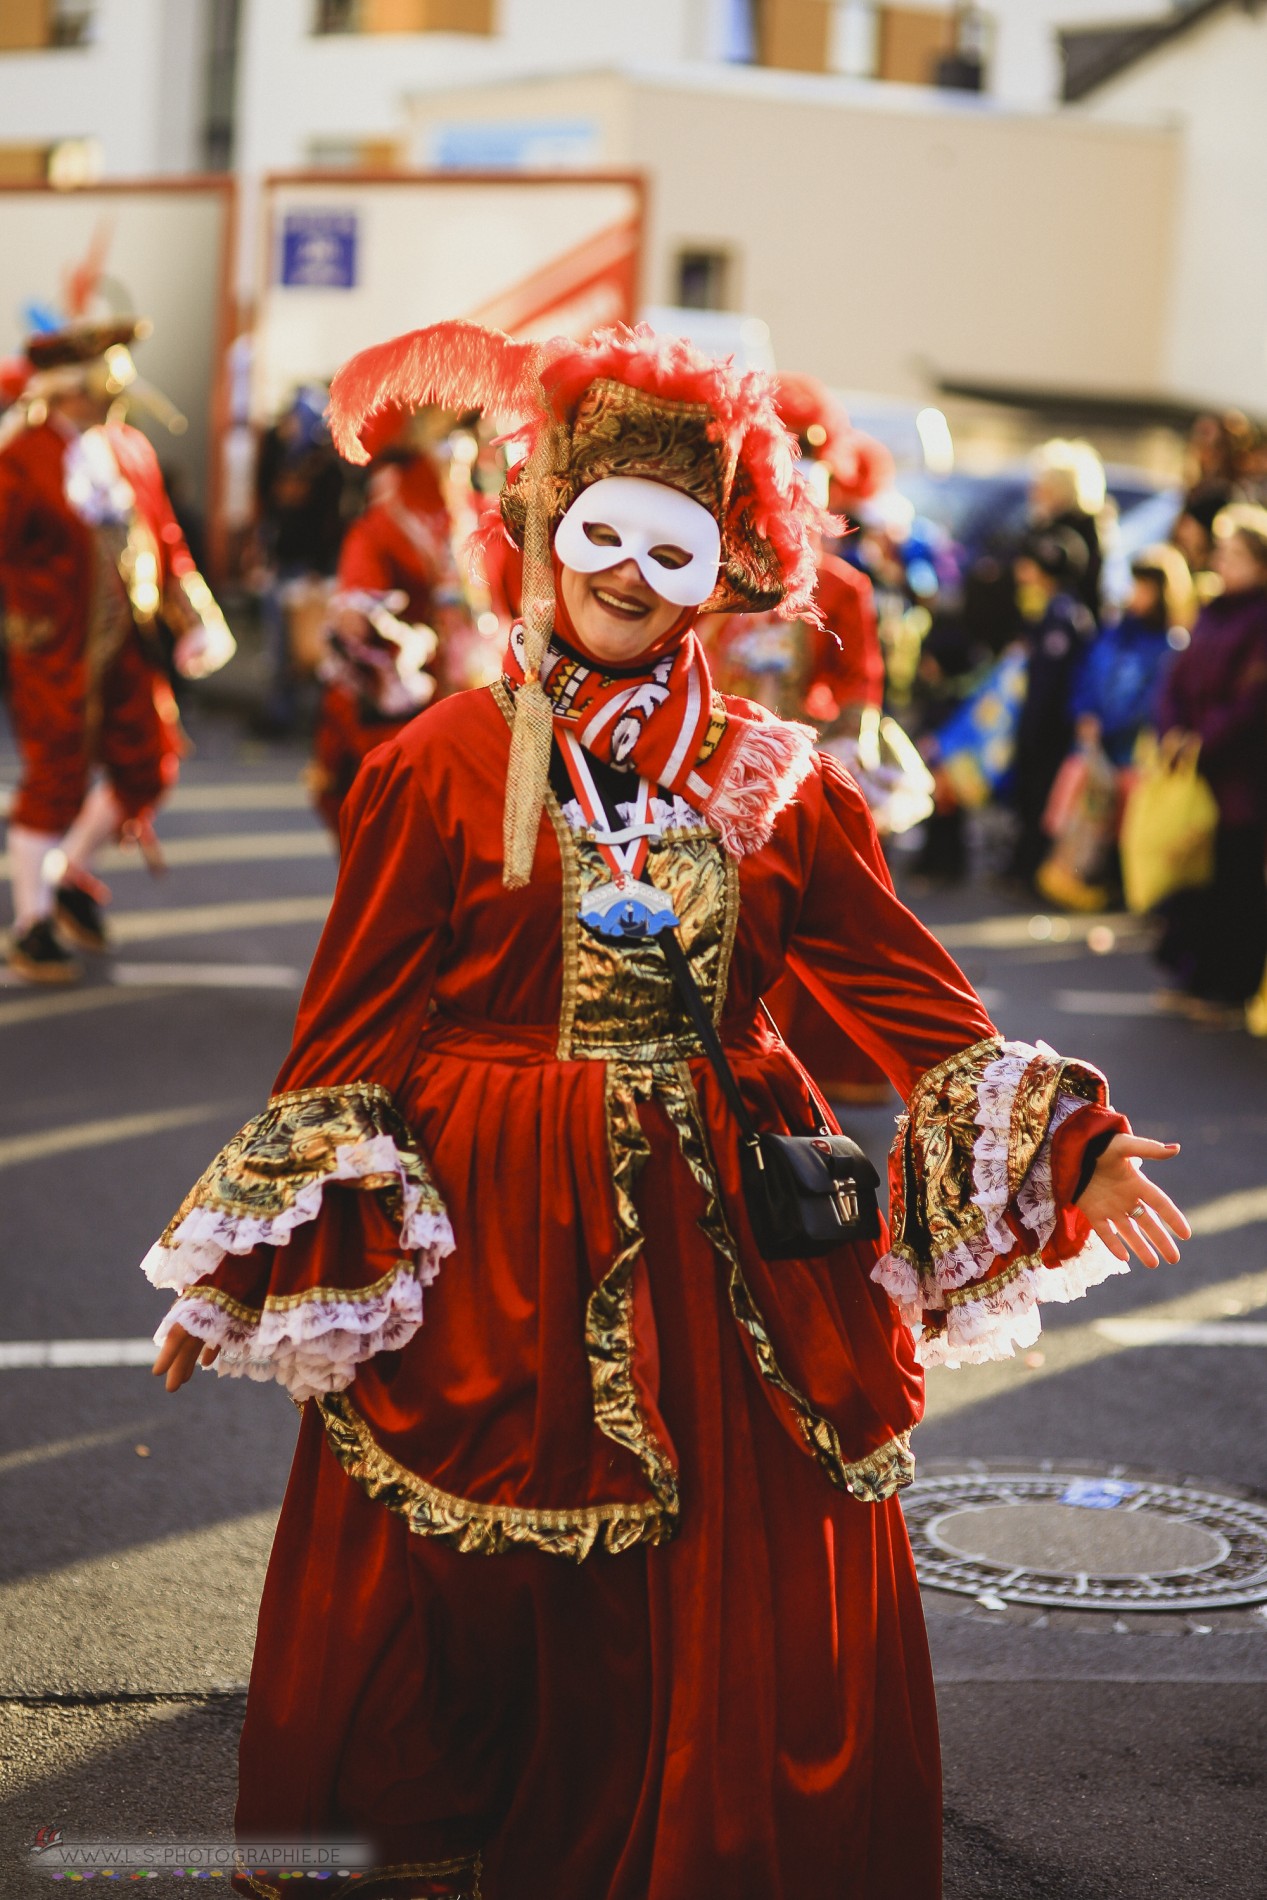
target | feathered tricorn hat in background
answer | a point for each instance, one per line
(75, 348)
(821, 424)
(625, 402)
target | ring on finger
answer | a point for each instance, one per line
(1140, 1207)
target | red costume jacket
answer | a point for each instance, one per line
(82, 686)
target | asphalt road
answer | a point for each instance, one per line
(1086, 1756)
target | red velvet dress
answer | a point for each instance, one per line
(591, 1582)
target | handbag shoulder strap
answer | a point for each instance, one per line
(680, 970)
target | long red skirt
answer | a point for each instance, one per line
(746, 1712)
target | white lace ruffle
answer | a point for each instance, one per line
(311, 1346)
(207, 1234)
(1005, 1317)
(994, 1323)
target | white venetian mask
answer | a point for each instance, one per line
(674, 541)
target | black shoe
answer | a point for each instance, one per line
(40, 958)
(79, 917)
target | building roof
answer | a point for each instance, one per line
(1094, 55)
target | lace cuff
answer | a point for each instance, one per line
(266, 1183)
(973, 1207)
(311, 1342)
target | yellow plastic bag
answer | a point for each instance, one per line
(1256, 1009)
(1168, 827)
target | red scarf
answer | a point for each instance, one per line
(660, 719)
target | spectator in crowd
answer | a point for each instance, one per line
(1050, 575)
(1215, 941)
(299, 527)
(1117, 692)
(1217, 445)
(1068, 492)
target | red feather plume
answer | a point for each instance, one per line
(457, 364)
(462, 365)
(860, 464)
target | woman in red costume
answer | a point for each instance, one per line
(592, 1581)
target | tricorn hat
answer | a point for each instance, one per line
(626, 402)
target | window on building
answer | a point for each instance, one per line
(912, 42)
(34, 25)
(702, 279)
(406, 16)
(738, 32)
(23, 164)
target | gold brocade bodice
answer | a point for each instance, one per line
(619, 999)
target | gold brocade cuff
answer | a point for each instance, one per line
(972, 1205)
(270, 1178)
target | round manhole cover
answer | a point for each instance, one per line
(1070, 1541)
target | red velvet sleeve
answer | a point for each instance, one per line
(866, 958)
(306, 1245)
(988, 1157)
(365, 565)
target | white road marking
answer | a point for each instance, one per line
(67, 1447)
(1105, 1002)
(1028, 932)
(36, 1008)
(22, 1354)
(1229, 1211)
(1162, 1332)
(236, 847)
(1069, 1347)
(16, 1149)
(207, 976)
(207, 920)
(260, 795)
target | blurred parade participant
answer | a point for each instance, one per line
(831, 671)
(403, 542)
(830, 675)
(299, 489)
(1068, 492)
(591, 1580)
(1050, 570)
(374, 681)
(1215, 940)
(93, 569)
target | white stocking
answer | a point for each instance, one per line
(32, 893)
(98, 821)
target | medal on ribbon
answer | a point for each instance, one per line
(626, 906)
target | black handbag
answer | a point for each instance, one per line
(806, 1194)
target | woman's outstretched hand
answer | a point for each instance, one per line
(1126, 1209)
(180, 1353)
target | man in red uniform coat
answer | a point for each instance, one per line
(91, 560)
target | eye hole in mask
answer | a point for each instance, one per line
(674, 541)
(604, 536)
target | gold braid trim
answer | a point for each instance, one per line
(532, 730)
(486, 1530)
(882, 1472)
(935, 1214)
(571, 891)
(294, 1142)
(286, 1302)
(609, 1335)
